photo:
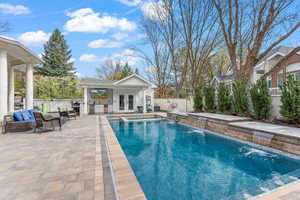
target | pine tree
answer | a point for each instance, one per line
(56, 57)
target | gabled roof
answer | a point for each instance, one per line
(94, 82)
(280, 50)
(136, 76)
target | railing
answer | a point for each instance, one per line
(275, 91)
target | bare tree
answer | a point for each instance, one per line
(251, 29)
(157, 62)
(200, 36)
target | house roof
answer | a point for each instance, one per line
(224, 78)
(18, 54)
(280, 50)
(94, 82)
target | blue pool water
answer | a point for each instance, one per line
(172, 161)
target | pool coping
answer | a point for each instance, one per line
(126, 184)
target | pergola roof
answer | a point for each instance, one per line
(17, 53)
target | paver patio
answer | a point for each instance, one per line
(53, 165)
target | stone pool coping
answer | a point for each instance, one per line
(269, 128)
(126, 185)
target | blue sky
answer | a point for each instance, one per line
(94, 29)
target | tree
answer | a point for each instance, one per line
(56, 57)
(261, 99)
(224, 98)
(209, 98)
(114, 70)
(48, 87)
(240, 100)
(198, 98)
(290, 99)
(251, 29)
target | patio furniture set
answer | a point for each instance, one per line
(28, 120)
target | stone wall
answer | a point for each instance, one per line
(280, 142)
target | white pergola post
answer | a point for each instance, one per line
(29, 86)
(85, 100)
(11, 89)
(3, 84)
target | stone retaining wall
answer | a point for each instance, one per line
(284, 143)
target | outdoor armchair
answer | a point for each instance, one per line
(43, 122)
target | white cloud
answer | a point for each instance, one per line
(72, 60)
(89, 58)
(126, 56)
(104, 44)
(130, 2)
(119, 36)
(34, 38)
(153, 10)
(86, 20)
(7, 8)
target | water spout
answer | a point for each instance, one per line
(262, 138)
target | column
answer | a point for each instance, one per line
(29, 86)
(3, 84)
(11, 89)
(85, 101)
(144, 100)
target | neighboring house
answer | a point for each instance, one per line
(275, 78)
(227, 79)
(122, 96)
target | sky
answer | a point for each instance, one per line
(94, 29)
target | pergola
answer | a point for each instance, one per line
(14, 56)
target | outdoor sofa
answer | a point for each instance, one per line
(23, 121)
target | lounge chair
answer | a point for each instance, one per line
(67, 114)
(43, 121)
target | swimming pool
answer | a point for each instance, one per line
(174, 161)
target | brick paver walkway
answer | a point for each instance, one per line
(56, 165)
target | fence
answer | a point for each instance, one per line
(179, 105)
(53, 104)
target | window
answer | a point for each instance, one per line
(121, 102)
(269, 79)
(130, 102)
(280, 79)
(297, 76)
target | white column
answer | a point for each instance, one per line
(11, 89)
(29, 86)
(144, 100)
(3, 84)
(85, 101)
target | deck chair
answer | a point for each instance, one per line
(42, 121)
(66, 113)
